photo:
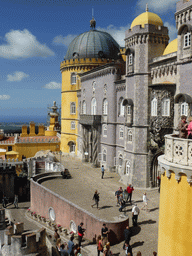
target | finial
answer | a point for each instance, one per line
(147, 8)
(93, 21)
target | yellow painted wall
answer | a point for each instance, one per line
(175, 217)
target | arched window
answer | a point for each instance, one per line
(166, 107)
(128, 110)
(93, 106)
(121, 132)
(84, 107)
(105, 107)
(131, 59)
(121, 107)
(128, 167)
(187, 39)
(104, 155)
(120, 160)
(154, 107)
(73, 78)
(72, 108)
(129, 136)
(184, 109)
(104, 130)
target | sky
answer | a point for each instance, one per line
(35, 35)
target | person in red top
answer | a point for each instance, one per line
(129, 191)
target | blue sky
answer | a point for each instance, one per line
(34, 36)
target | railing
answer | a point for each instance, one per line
(178, 150)
(29, 140)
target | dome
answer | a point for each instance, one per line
(93, 44)
(171, 47)
(147, 18)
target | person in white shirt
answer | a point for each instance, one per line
(135, 214)
(145, 202)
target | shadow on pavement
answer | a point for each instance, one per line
(147, 222)
(105, 206)
(153, 209)
(136, 244)
(135, 230)
(108, 178)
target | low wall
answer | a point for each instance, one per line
(65, 211)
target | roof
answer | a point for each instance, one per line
(171, 47)
(147, 18)
(93, 44)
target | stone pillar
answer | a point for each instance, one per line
(24, 131)
(32, 129)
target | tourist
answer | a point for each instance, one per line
(189, 129)
(127, 235)
(145, 202)
(118, 193)
(104, 234)
(107, 251)
(62, 251)
(16, 201)
(71, 246)
(58, 244)
(56, 235)
(129, 191)
(78, 252)
(138, 253)
(182, 126)
(128, 249)
(99, 245)
(154, 254)
(102, 171)
(135, 214)
(96, 198)
(81, 231)
(121, 202)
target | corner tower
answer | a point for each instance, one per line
(145, 40)
(86, 51)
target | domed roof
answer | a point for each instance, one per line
(93, 44)
(147, 18)
(171, 47)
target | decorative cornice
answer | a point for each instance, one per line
(164, 70)
(102, 72)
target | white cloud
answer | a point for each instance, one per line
(52, 85)
(4, 97)
(65, 40)
(22, 44)
(172, 31)
(159, 6)
(16, 76)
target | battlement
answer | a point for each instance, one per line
(18, 242)
(41, 130)
(84, 61)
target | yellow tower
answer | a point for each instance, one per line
(86, 51)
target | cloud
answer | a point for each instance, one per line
(52, 85)
(22, 44)
(172, 30)
(16, 76)
(159, 6)
(4, 97)
(64, 40)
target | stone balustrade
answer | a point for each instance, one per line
(30, 140)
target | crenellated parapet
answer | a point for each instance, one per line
(183, 14)
(164, 70)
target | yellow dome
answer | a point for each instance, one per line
(147, 18)
(171, 47)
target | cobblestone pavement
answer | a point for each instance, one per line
(80, 189)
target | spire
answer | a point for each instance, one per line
(93, 21)
(147, 8)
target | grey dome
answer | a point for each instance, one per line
(93, 44)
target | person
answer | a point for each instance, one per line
(182, 126)
(107, 251)
(139, 253)
(71, 246)
(154, 254)
(189, 129)
(145, 202)
(64, 173)
(104, 234)
(81, 231)
(96, 198)
(159, 182)
(99, 245)
(58, 244)
(102, 171)
(127, 235)
(129, 191)
(62, 251)
(128, 249)
(4, 201)
(135, 214)
(122, 203)
(56, 235)
(16, 201)
(78, 252)
(118, 193)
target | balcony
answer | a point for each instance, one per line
(90, 120)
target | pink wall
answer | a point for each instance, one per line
(42, 199)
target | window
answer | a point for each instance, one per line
(72, 125)
(121, 107)
(93, 86)
(128, 110)
(131, 59)
(104, 155)
(73, 78)
(120, 160)
(187, 39)
(129, 136)
(128, 167)
(154, 107)
(166, 107)
(73, 108)
(121, 132)
(104, 130)
(84, 107)
(105, 107)
(184, 109)
(72, 148)
(93, 106)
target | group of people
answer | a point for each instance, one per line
(185, 129)
(103, 245)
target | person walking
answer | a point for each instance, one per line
(135, 214)
(129, 191)
(102, 171)
(96, 198)
(99, 245)
(128, 249)
(81, 231)
(127, 235)
(16, 201)
(121, 202)
(145, 202)
(118, 193)
(104, 234)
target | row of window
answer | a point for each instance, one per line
(121, 133)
